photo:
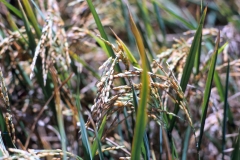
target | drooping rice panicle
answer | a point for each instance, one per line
(4, 91)
(7, 42)
(40, 49)
(10, 126)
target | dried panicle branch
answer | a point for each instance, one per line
(4, 92)
(37, 154)
(111, 148)
(8, 41)
(10, 127)
(58, 152)
(205, 32)
(8, 116)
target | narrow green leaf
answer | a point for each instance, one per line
(219, 86)
(32, 17)
(144, 13)
(24, 75)
(193, 51)
(11, 21)
(186, 143)
(129, 54)
(3, 150)
(99, 41)
(59, 114)
(225, 113)
(95, 145)
(198, 57)
(189, 65)
(14, 26)
(148, 45)
(201, 5)
(174, 151)
(103, 35)
(145, 146)
(222, 47)
(191, 19)
(86, 146)
(236, 152)
(217, 79)
(38, 9)
(141, 119)
(207, 91)
(172, 13)
(100, 27)
(87, 149)
(160, 141)
(31, 40)
(160, 20)
(99, 147)
(220, 89)
(12, 8)
(127, 25)
(144, 155)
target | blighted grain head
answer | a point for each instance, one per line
(113, 97)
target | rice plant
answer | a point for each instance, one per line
(119, 79)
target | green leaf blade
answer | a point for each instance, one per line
(32, 17)
(86, 145)
(186, 23)
(12, 8)
(141, 119)
(236, 152)
(225, 110)
(95, 145)
(189, 65)
(207, 91)
(103, 34)
(31, 40)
